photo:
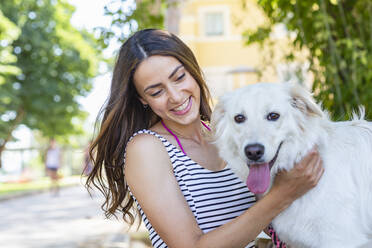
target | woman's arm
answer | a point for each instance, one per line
(150, 177)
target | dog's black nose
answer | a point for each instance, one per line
(254, 152)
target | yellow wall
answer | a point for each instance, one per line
(220, 55)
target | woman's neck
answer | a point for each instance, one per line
(193, 131)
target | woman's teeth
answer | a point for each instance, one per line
(183, 106)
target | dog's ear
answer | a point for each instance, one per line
(303, 100)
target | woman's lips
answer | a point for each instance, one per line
(184, 108)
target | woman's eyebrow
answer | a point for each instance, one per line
(174, 71)
(151, 86)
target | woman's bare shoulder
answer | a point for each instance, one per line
(144, 140)
(144, 149)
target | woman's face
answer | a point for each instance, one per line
(172, 93)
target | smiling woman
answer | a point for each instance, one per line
(152, 152)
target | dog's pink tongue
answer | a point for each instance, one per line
(259, 178)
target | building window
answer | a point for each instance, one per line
(214, 24)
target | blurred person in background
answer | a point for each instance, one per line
(53, 158)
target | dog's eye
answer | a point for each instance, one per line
(239, 118)
(273, 116)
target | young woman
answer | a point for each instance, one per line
(151, 153)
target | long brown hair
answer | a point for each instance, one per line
(124, 115)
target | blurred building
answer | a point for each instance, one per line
(213, 29)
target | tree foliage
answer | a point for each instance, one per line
(338, 36)
(130, 16)
(8, 33)
(56, 63)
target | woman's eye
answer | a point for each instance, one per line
(273, 116)
(180, 77)
(156, 93)
(239, 118)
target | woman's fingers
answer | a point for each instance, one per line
(303, 165)
(304, 176)
(319, 169)
(314, 168)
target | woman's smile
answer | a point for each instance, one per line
(184, 108)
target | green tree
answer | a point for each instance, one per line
(57, 63)
(338, 36)
(8, 33)
(128, 17)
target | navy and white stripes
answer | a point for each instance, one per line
(214, 197)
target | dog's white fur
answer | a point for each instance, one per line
(338, 211)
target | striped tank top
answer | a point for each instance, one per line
(214, 197)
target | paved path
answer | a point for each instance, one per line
(71, 220)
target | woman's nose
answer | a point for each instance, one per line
(174, 95)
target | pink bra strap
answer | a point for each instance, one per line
(175, 136)
(206, 126)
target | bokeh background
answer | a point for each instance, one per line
(56, 58)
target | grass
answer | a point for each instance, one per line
(43, 183)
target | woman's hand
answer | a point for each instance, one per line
(301, 178)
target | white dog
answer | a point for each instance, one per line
(270, 127)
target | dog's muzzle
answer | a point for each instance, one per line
(258, 180)
(254, 152)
